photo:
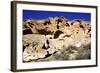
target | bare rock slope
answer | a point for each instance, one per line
(56, 39)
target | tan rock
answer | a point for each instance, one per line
(54, 34)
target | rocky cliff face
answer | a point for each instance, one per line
(56, 39)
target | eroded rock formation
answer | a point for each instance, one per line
(56, 39)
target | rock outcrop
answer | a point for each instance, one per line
(56, 39)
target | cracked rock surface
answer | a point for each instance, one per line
(56, 39)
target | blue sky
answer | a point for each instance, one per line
(27, 14)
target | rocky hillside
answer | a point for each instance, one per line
(56, 38)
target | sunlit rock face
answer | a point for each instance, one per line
(56, 39)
